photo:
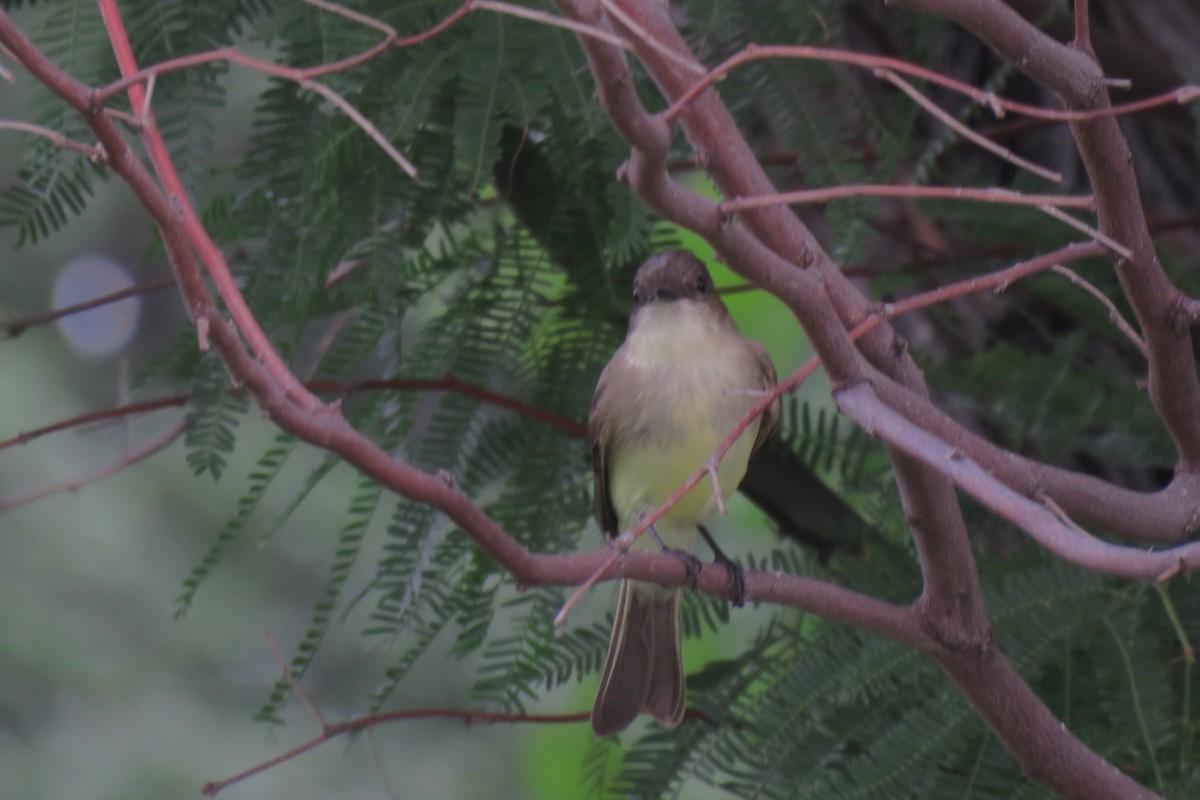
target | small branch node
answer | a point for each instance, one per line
(710, 467)
(1176, 569)
(202, 340)
(144, 112)
(990, 100)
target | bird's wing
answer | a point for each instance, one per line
(766, 382)
(600, 440)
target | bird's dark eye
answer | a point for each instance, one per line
(637, 298)
(701, 286)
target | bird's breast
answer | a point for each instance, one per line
(688, 382)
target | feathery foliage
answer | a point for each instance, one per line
(507, 264)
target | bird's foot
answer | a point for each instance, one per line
(691, 564)
(737, 578)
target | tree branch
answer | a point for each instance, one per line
(449, 383)
(1069, 542)
(296, 411)
(213, 788)
(767, 249)
(998, 105)
(127, 459)
(16, 327)
(767, 245)
(1074, 75)
(982, 195)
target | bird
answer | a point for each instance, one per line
(683, 379)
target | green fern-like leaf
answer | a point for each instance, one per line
(360, 512)
(52, 189)
(216, 412)
(260, 479)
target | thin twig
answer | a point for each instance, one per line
(983, 195)
(1063, 517)
(379, 765)
(1114, 314)
(560, 619)
(449, 383)
(997, 281)
(11, 330)
(641, 33)
(998, 105)
(711, 467)
(94, 152)
(964, 131)
(552, 20)
(95, 416)
(1083, 31)
(362, 723)
(277, 654)
(127, 459)
(1103, 238)
(391, 40)
(361, 121)
(355, 16)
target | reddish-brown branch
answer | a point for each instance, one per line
(767, 248)
(91, 151)
(862, 404)
(448, 383)
(1043, 522)
(962, 130)
(123, 462)
(324, 427)
(18, 326)
(951, 606)
(1074, 75)
(1114, 314)
(469, 718)
(980, 195)
(949, 622)
(455, 385)
(391, 40)
(198, 238)
(130, 409)
(1047, 751)
(999, 105)
(1167, 515)
(1083, 30)
(328, 732)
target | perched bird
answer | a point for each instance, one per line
(681, 382)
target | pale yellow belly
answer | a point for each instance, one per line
(645, 475)
(683, 382)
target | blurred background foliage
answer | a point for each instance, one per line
(146, 617)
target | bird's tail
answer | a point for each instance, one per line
(644, 670)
